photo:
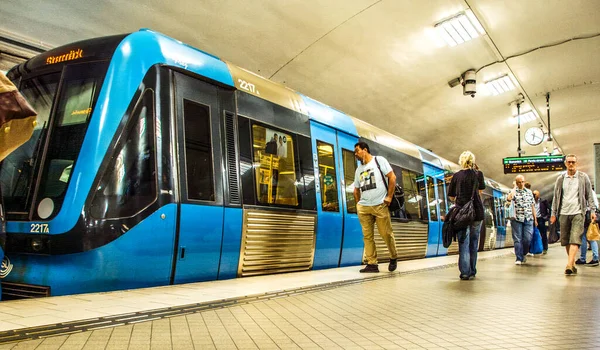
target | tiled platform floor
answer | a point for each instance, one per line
(534, 306)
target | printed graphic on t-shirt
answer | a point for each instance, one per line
(367, 180)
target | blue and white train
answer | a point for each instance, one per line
(154, 163)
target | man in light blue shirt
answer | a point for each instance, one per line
(373, 196)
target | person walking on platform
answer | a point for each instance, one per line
(525, 218)
(572, 194)
(372, 201)
(543, 215)
(584, 240)
(462, 189)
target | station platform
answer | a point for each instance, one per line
(422, 305)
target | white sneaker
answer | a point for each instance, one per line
(518, 262)
(529, 254)
(525, 259)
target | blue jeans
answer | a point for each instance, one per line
(521, 233)
(468, 243)
(583, 249)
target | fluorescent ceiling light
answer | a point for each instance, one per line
(500, 85)
(460, 28)
(525, 117)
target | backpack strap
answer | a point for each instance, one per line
(381, 172)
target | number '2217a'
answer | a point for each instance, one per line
(39, 228)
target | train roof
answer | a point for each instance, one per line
(154, 47)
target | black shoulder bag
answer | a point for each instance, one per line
(465, 215)
(398, 197)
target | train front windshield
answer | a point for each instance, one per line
(40, 169)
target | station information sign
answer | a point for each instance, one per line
(534, 164)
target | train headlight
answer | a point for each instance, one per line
(37, 245)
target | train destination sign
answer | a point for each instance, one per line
(534, 164)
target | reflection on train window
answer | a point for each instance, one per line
(431, 200)
(198, 151)
(488, 204)
(327, 177)
(349, 171)
(128, 184)
(274, 166)
(441, 198)
(412, 197)
(78, 105)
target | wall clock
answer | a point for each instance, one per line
(534, 136)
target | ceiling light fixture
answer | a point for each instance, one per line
(460, 28)
(526, 117)
(500, 85)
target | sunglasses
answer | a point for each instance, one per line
(571, 161)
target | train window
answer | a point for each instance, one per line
(431, 201)
(400, 213)
(78, 104)
(128, 184)
(306, 181)
(80, 86)
(274, 164)
(488, 204)
(411, 195)
(17, 172)
(441, 197)
(327, 177)
(198, 151)
(350, 166)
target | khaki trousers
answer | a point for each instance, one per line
(368, 216)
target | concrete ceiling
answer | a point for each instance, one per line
(381, 61)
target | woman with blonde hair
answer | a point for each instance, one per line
(463, 188)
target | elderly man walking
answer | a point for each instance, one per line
(522, 224)
(572, 194)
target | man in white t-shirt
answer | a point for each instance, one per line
(572, 196)
(373, 196)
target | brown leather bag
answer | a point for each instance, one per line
(12, 103)
(17, 118)
(593, 233)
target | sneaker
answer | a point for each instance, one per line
(580, 262)
(464, 277)
(568, 270)
(393, 264)
(529, 254)
(574, 270)
(545, 252)
(370, 268)
(593, 263)
(518, 262)
(472, 276)
(524, 259)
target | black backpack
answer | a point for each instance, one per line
(398, 198)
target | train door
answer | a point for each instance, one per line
(352, 238)
(433, 182)
(327, 146)
(198, 237)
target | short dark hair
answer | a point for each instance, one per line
(527, 185)
(363, 145)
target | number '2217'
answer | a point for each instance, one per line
(39, 228)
